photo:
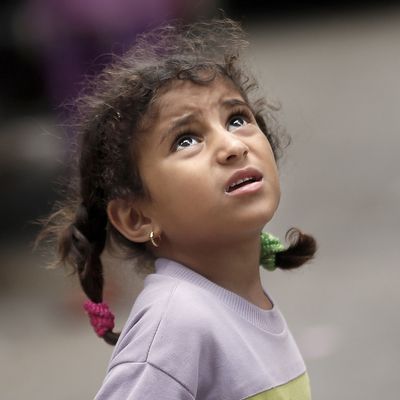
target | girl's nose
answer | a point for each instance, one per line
(231, 149)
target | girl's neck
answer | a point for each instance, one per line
(234, 267)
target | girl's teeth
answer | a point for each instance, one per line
(239, 182)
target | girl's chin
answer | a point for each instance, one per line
(251, 225)
(260, 217)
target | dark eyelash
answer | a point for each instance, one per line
(241, 111)
(178, 136)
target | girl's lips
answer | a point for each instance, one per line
(244, 181)
(246, 189)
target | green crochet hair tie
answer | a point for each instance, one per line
(270, 245)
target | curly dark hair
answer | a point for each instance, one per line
(109, 117)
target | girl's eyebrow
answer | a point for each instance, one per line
(179, 122)
(228, 103)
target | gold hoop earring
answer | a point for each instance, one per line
(153, 239)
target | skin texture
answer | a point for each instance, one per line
(199, 224)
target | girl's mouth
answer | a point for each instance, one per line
(240, 183)
(244, 180)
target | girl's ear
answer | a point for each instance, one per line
(130, 219)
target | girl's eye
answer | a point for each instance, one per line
(236, 122)
(186, 141)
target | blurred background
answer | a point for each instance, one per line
(335, 71)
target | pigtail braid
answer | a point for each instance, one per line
(88, 235)
(302, 248)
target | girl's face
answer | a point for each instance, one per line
(207, 166)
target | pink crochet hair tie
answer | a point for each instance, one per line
(101, 318)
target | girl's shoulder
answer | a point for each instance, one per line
(168, 314)
(175, 302)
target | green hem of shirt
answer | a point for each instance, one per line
(296, 389)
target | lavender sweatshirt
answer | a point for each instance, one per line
(188, 338)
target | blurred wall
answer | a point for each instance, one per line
(335, 72)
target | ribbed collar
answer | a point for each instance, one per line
(267, 320)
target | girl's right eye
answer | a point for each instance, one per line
(185, 141)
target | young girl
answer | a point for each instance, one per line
(177, 164)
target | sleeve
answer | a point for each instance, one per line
(141, 381)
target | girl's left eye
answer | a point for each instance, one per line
(185, 141)
(236, 122)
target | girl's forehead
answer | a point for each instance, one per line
(180, 95)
